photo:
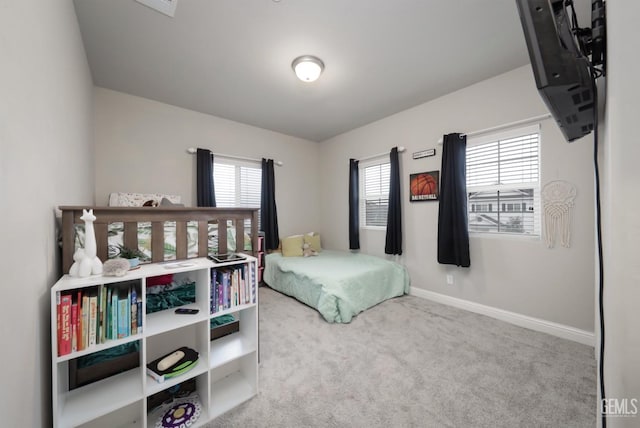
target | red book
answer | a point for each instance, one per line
(64, 346)
(58, 321)
(74, 327)
(79, 322)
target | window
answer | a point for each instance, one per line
(503, 182)
(237, 184)
(374, 193)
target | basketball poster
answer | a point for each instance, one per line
(424, 186)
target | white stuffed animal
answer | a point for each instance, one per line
(308, 251)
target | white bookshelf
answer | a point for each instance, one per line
(226, 374)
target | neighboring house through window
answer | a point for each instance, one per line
(374, 192)
(503, 182)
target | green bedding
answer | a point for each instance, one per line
(338, 284)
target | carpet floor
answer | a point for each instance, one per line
(410, 362)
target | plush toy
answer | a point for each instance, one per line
(308, 251)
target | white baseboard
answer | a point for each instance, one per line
(537, 324)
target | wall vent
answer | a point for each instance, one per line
(167, 7)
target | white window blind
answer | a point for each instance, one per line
(237, 184)
(503, 183)
(224, 179)
(374, 199)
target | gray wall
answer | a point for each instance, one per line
(141, 147)
(46, 160)
(518, 275)
(621, 229)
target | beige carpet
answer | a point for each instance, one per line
(409, 362)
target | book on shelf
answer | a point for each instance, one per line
(58, 321)
(220, 291)
(64, 325)
(123, 317)
(213, 290)
(102, 322)
(84, 331)
(114, 314)
(134, 311)
(79, 321)
(93, 320)
(253, 281)
(107, 314)
(139, 314)
(74, 326)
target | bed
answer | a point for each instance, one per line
(164, 232)
(336, 283)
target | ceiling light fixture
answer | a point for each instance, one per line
(307, 67)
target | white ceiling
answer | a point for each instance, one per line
(232, 58)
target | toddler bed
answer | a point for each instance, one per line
(336, 283)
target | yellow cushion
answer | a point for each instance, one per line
(313, 239)
(292, 246)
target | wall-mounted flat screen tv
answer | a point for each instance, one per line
(561, 71)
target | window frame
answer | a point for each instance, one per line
(536, 203)
(362, 197)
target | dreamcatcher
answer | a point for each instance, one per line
(558, 197)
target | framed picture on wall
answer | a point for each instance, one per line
(424, 186)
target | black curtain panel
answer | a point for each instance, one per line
(204, 178)
(268, 212)
(453, 233)
(354, 211)
(393, 242)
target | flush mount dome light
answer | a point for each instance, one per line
(307, 67)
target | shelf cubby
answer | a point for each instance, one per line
(233, 383)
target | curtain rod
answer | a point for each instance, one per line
(193, 151)
(400, 150)
(506, 125)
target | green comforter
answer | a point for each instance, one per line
(338, 284)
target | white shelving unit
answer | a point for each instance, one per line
(226, 374)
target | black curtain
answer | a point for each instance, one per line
(204, 179)
(393, 242)
(268, 212)
(453, 233)
(354, 212)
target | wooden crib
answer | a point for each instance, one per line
(157, 216)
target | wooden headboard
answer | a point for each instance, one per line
(130, 216)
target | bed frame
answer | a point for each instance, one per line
(130, 216)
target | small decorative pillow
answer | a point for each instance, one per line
(313, 239)
(292, 246)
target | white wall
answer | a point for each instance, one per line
(141, 147)
(46, 160)
(621, 229)
(517, 275)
